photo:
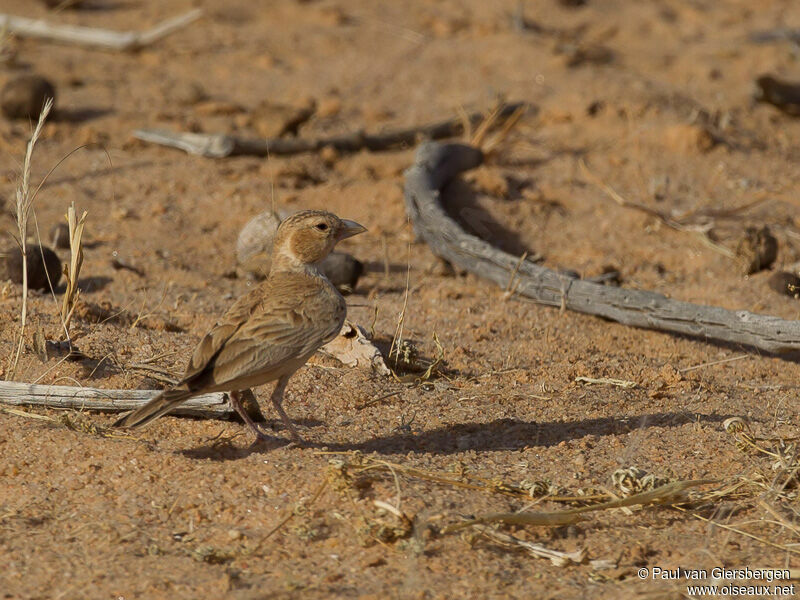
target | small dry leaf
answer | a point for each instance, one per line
(353, 348)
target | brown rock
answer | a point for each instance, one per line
(757, 250)
(38, 269)
(23, 97)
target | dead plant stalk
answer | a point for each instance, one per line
(401, 318)
(72, 271)
(23, 210)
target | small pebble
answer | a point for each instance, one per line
(38, 270)
(23, 97)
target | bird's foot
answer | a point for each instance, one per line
(296, 443)
(296, 437)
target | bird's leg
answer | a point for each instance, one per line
(237, 406)
(277, 398)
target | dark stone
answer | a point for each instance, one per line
(38, 269)
(342, 270)
(23, 97)
(784, 95)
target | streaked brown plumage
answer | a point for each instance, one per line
(273, 330)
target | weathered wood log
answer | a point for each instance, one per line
(62, 396)
(91, 36)
(351, 347)
(436, 164)
(221, 145)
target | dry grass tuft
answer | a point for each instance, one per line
(73, 270)
(23, 209)
(481, 137)
(633, 489)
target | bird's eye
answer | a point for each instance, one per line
(322, 226)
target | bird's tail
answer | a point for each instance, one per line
(161, 404)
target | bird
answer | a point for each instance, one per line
(270, 332)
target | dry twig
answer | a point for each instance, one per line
(559, 559)
(93, 37)
(221, 146)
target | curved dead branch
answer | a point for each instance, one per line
(222, 145)
(436, 164)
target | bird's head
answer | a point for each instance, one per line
(307, 237)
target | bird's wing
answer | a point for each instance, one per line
(288, 324)
(230, 322)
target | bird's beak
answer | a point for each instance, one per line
(349, 229)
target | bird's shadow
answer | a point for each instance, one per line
(498, 435)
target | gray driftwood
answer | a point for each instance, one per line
(221, 145)
(351, 347)
(91, 36)
(62, 396)
(436, 164)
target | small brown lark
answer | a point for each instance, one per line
(272, 331)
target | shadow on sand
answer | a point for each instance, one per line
(499, 435)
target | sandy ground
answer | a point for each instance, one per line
(655, 98)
